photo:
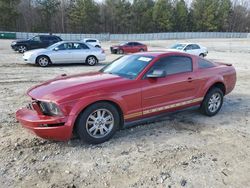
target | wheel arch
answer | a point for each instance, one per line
(219, 85)
(116, 105)
(41, 56)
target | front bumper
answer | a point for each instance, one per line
(48, 127)
(14, 47)
(29, 59)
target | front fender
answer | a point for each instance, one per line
(83, 103)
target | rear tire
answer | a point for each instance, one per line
(22, 49)
(212, 102)
(141, 50)
(91, 60)
(98, 123)
(97, 46)
(43, 61)
(202, 55)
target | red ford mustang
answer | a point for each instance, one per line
(128, 47)
(132, 89)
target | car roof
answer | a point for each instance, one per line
(160, 53)
(90, 39)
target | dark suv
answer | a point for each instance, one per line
(39, 41)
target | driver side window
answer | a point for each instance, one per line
(173, 65)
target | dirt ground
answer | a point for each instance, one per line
(186, 149)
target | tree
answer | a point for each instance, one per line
(204, 14)
(142, 12)
(180, 19)
(84, 16)
(162, 14)
(8, 14)
(48, 9)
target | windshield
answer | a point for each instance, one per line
(178, 46)
(52, 47)
(129, 66)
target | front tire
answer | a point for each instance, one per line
(120, 51)
(43, 61)
(91, 60)
(22, 49)
(98, 123)
(212, 102)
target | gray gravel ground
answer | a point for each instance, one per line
(185, 149)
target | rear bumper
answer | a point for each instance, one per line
(48, 127)
(102, 57)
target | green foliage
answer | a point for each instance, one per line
(162, 14)
(48, 9)
(180, 19)
(8, 14)
(123, 16)
(83, 16)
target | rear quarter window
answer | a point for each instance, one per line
(204, 64)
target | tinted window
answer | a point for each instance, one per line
(91, 40)
(195, 46)
(137, 44)
(173, 65)
(80, 46)
(188, 47)
(202, 63)
(130, 43)
(66, 46)
(36, 38)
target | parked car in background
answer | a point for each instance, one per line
(132, 89)
(93, 42)
(39, 41)
(191, 48)
(128, 47)
(65, 52)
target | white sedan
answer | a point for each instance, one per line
(93, 42)
(65, 52)
(190, 48)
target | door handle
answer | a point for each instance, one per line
(190, 79)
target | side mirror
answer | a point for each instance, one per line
(157, 74)
(56, 49)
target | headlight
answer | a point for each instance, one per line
(49, 108)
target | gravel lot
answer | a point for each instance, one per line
(185, 149)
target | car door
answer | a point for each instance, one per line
(179, 84)
(128, 47)
(80, 51)
(62, 53)
(193, 49)
(35, 42)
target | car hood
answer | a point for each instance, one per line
(174, 50)
(21, 41)
(64, 88)
(36, 51)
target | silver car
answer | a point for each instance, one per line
(65, 52)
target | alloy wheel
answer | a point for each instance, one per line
(214, 102)
(100, 123)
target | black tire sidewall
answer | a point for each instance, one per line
(204, 105)
(81, 123)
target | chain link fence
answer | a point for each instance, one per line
(137, 37)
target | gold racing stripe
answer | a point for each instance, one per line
(129, 116)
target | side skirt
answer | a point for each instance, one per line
(156, 118)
